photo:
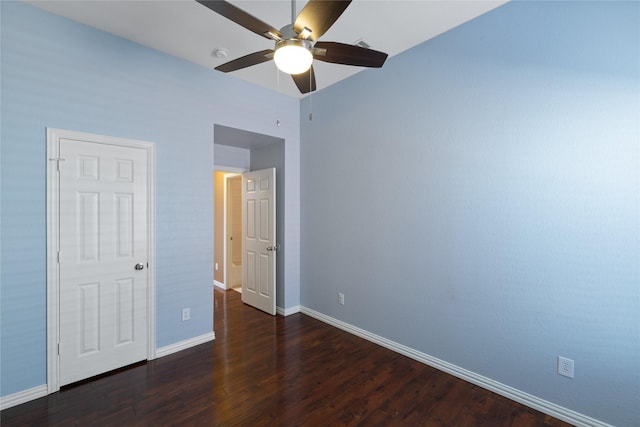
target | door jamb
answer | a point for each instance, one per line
(53, 241)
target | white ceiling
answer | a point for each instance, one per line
(189, 30)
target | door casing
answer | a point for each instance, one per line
(53, 241)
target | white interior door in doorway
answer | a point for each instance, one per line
(259, 246)
(102, 258)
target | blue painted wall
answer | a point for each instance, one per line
(57, 73)
(227, 156)
(478, 199)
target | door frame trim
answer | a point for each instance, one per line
(53, 241)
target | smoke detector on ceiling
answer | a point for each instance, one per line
(220, 52)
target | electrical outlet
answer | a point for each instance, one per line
(340, 298)
(186, 314)
(565, 367)
(216, 266)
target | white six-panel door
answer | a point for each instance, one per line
(102, 238)
(259, 239)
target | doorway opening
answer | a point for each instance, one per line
(228, 230)
(237, 151)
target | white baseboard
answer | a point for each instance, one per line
(288, 311)
(23, 396)
(183, 345)
(509, 392)
(220, 285)
(41, 391)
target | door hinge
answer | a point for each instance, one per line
(58, 349)
(58, 257)
(57, 160)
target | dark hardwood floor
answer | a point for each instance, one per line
(275, 371)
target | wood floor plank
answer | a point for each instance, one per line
(275, 371)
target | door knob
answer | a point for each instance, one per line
(139, 266)
(273, 248)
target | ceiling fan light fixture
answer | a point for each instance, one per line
(293, 56)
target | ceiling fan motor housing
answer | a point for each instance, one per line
(305, 44)
(288, 32)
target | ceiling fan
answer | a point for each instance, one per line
(296, 44)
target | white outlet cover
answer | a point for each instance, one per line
(565, 367)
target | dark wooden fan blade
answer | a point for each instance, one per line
(241, 18)
(306, 81)
(319, 16)
(347, 54)
(246, 61)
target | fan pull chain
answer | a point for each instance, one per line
(310, 94)
(278, 98)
